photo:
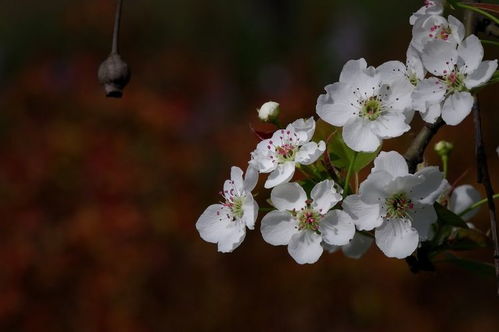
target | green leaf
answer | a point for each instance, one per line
(482, 268)
(341, 155)
(447, 217)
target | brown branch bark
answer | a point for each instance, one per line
(481, 158)
(415, 152)
(484, 178)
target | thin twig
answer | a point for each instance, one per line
(116, 31)
(483, 178)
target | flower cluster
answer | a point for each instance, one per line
(372, 104)
(392, 207)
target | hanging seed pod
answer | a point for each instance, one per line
(114, 73)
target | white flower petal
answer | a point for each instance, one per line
(358, 135)
(391, 162)
(305, 247)
(307, 127)
(431, 182)
(278, 227)
(250, 178)
(428, 92)
(233, 238)
(397, 96)
(352, 69)
(324, 196)
(288, 196)
(470, 53)
(435, 196)
(414, 63)
(457, 107)
(391, 71)
(363, 80)
(365, 216)
(334, 113)
(250, 211)
(422, 30)
(439, 57)
(373, 190)
(337, 228)
(283, 173)
(358, 246)
(481, 75)
(423, 217)
(432, 7)
(236, 175)
(432, 113)
(397, 238)
(310, 152)
(457, 29)
(462, 198)
(404, 183)
(261, 157)
(213, 223)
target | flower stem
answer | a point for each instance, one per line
(477, 204)
(349, 174)
(479, 11)
(277, 123)
(445, 165)
(490, 42)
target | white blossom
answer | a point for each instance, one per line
(430, 7)
(395, 203)
(304, 224)
(458, 69)
(269, 111)
(433, 27)
(370, 104)
(288, 147)
(226, 223)
(413, 71)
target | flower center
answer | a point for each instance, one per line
(286, 152)
(440, 32)
(371, 108)
(235, 204)
(398, 205)
(455, 82)
(413, 78)
(308, 219)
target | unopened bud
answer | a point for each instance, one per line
(114, 75)
(269, 111)
(444, 148)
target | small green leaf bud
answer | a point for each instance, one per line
(444, 148)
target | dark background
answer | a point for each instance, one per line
(99, 197)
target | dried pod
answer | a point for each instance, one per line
(114, 75)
